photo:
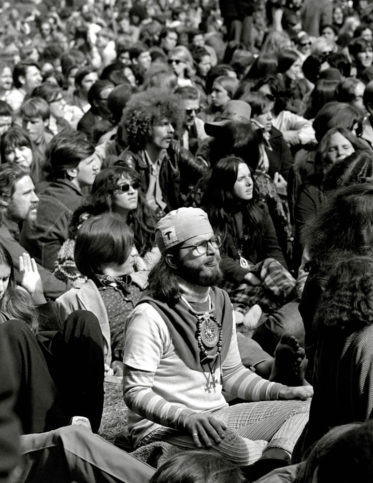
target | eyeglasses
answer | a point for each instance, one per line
(201, 248)
(175, 61)
(191, 111)
(306, 44)
(125, 187)
(58, 99)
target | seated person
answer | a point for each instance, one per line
(103, 253)
(74, 166)
(116, 190)
(45, 362)
(181, 353)
(149, 120)
(35, 120)
(19, 204)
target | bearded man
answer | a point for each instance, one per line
(181, 354)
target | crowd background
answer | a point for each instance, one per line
(115, 112)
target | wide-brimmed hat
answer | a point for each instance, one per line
(233, 111)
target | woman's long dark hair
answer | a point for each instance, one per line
(221, 204)
(343, 228)
(16, 302)
(142, 220)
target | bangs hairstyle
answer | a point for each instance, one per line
(146, 109)
(102, 240)
(230, 84)
(35, 107)
(14, 137)
(105, 185)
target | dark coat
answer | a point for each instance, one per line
(57, 202)
(179, 171)
(265, 247)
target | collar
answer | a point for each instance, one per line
(192, 292)
(12, 226)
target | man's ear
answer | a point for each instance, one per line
(3, 202)
(170, 260)
(22, 80)
(72, 172)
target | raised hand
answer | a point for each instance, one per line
(30, 277)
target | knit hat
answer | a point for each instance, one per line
(181, 225)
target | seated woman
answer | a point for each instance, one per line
(115, 190)
(343, 335)
(17, 147)
(103, 254)
(59, 368)
(253, 264)
(336, 145)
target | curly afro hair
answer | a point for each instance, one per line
(147, 108)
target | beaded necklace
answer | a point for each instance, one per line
(209, 335)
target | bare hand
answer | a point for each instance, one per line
(30, 280)
(205, 429)
(118, 368)
(280, 183)
(252, 279)
(296, 392)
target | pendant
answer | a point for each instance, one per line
(244, 263)
(209, 330)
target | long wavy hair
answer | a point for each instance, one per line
(163, 282)
(220, 202)
(101, 200)
(16, 302)
(343, 228)
(347, 301)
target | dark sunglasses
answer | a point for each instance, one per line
(306, 44)
(175, 61)
(190, 111)
(125, 187)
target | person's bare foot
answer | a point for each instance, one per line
(290, 362)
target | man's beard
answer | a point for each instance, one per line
(203, 276)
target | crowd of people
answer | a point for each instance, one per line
(186, 200)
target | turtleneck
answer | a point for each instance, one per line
(193, 292)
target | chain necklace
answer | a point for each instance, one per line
(209, 336)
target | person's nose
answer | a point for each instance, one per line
(171, 129)
(17, 153)
(35, 198)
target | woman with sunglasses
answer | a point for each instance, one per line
(181, 63)
(115, 190)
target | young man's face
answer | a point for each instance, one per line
(32, 78)
(191, 108)
(23, 203)
(87, 170)
(169, 42)
(35, 127)
(6, 79)
(162, 134)
(144, 60)
(198, 262)
(204, 66)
